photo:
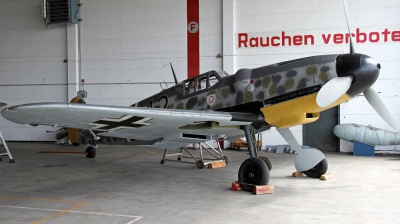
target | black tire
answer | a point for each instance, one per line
(253, 171)
(75, 144)
(200, 164)
(162, 162)
(226, 159)
(90, 152)
(266, 161)
(318, 170)
(1, 159)
(179, 159)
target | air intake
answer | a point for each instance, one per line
(60, 11)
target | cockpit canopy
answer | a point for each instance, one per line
(202, 82)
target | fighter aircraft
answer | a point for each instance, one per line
(214, 105)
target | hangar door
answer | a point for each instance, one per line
(319, 134)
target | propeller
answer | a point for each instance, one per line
(346, 12)
(337, 87)
(2, 104)
(376, 102)
(333, 90)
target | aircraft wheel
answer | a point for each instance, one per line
(253, 171)
(226, 159)
(162, 162)
(90, 152)
(75, 144)
(266, 161)
(200, 164)
(318, 170)
(1, 159)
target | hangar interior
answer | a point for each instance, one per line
(120, 51)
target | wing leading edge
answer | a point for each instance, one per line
(166, 128)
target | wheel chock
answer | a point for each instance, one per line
(236, 186)
(297, 174)
(263, 189)
(216, 164)
(326, 176)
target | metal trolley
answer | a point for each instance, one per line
(217, 155)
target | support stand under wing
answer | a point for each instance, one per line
(199, 161)
(7, 153)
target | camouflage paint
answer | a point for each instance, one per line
(269, 82)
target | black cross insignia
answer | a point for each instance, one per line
(126, 122)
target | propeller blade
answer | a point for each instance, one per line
(346, 12)
(333, 90)
(2, 104)
(305, 158)
(380, 107)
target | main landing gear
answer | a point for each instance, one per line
(254, 170)
(318, 170)
(311, 162)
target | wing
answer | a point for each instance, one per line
(165, 128)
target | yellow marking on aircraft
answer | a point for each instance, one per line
(72, 132)
(294, 112)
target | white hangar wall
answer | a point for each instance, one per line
(126, 48)
(131, 43)
(32, 67)
(319, 19)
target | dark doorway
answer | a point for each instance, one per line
(320, 135)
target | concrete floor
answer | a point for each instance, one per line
(129, 185)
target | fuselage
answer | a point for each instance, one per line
(284, 93)
(280, 95)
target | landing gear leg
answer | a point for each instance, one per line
(253, 171)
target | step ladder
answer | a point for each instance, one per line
(7, 153)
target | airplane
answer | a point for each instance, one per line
(215, 105)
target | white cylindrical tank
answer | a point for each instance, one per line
(366, 134)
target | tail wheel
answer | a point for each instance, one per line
(90, 152)
(318, 170)
(253, 171)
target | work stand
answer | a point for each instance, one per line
(7, 153)
(201, 161)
